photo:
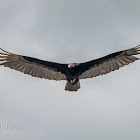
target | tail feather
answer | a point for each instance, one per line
(72, 87)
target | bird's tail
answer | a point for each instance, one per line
(72, 87)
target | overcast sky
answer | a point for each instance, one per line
(106, 107)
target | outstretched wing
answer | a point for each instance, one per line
(108, 63)
(34, 67)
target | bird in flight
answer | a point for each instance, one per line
(71, 72)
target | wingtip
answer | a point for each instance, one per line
(138, 46)
(4, 51)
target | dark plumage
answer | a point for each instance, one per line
(70, 72)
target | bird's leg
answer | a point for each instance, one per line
(74, 81)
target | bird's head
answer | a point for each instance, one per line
(72, 65)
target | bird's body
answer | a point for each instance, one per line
(72, 72)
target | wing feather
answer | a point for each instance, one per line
(108, 63)
(34, 67)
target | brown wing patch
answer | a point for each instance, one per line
(125, 58)
(18, 63)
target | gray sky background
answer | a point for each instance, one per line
(106, 107)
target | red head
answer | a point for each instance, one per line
(71, 65)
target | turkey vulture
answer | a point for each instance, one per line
(70, 72)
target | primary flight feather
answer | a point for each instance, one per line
(71, 72)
